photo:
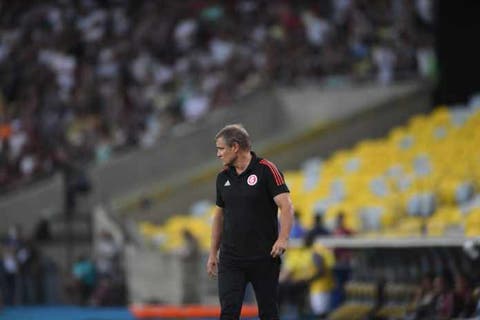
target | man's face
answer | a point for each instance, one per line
(227, 154)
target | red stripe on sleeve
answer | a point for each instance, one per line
(280, 177)
(276, 174)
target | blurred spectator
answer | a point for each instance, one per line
(318, 229)
(422, 303)
(99, 77)
(297, 231)
(190, 256)
(14, 257)
(14, 237)
(10, 272)
(384, 59)
(343, 256)
(30, 272)
(108, 293)
(307, 273)
(83, 280)
(75, 178)
(322, 282)
(341, 230)
(464, 303)
(107, 255)
(293, 284)
(443, 304)
(42, 232)
(50, 285)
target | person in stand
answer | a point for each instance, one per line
(246, 241)
(318, 229)
(190, 254)
(308, 272)
(297, 231)
(343, 257)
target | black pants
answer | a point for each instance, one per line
(233, 276)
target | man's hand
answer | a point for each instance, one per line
(279, 247)
(212, 265)
(284, 203)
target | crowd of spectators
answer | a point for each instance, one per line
(27, 276)
(446, 295)
(83, 79)
(31, 276)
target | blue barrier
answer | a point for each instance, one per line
(65, 313)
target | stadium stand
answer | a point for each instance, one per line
(85, 79)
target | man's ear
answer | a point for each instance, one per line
(235, 146)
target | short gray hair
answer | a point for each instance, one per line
(235, 133)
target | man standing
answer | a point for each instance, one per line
(245, 228)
